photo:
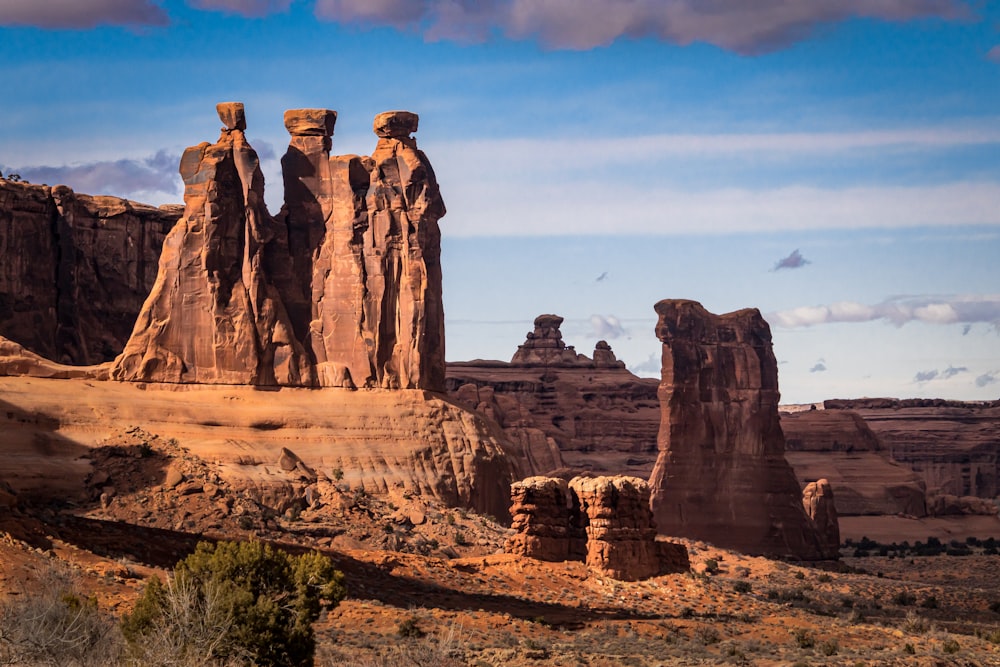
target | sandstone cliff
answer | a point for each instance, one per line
(721, 475)
(953, 446)
(76, 269)
(839, 445)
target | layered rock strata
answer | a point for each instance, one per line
(76, 269)
(546, 518)
(604, 521)
(839, 445)
(562, 409)
(621, 535)
(721, 475)
(818, 500)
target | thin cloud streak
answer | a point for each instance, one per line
(745, 28)
(898, 311)
(126, 178)
(248, 8)
(598, 208)
(81, 14)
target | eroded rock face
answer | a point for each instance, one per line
(545, 347)
(621, 535)
(817, 498)
(365, 245)
(721, 475)
(214, 316)
(605, 521)
(75, 269)
(546, 517)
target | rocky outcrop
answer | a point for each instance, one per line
(343, 289)
(545, 347)
(721, 475)
(405, 442)
(76, 269)
(378, 315)
(818, 500)
(563, 409)
(605, 521)
(546, 518)
(621, 535)
(214, 316)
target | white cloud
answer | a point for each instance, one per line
(81, 14)
(748, 28)
(898, 310)
(988, 378)
(606, 327)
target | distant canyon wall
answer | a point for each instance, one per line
(76, 269)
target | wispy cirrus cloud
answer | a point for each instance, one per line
(987, 379)
(81, 14)
(934, 374)
(735, 25)
(994, 54)
(897, 310)
(818, 367)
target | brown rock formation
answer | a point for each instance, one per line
(376, 283)
(621, 535)
(605, 521)
(721, 475)
(604, 357)
(818, 500)
(545, 347)
(76, 269)
(213, 316)
(546, 517)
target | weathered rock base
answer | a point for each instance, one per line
(604, 521)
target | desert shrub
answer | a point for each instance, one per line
(55, 625)
(929, 602)
(915, 624)
(995, 606)
(238, 599)
(824, 578)
(950, 646)
(408, 628)
(707, 635)
(711, 566)
(743, 587)
(803, 638)
(904, 599)
(909, 650)
(829, 647)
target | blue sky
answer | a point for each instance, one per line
(834, 163)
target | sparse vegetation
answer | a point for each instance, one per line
(238, 599)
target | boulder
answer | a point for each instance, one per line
(605, 521)
(721, 475)
(621, 535)
(547, 520)
(395, 124)
(817, 498)
(604, 357)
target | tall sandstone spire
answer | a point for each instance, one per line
(342, 288)
(213, 316)
(721, 474)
